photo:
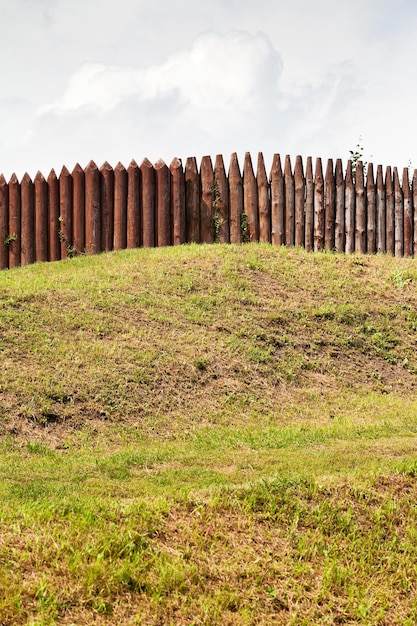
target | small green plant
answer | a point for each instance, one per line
(9, 239)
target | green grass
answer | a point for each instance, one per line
(209, 435)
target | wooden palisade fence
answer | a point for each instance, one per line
(103, 209)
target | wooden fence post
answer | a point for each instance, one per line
(289, 202)
(414, 185)
(54, 245)
(380, 211)
(309, 236)
(192, 201)
(148, 204)
(4, 223)
(408, 214)
(120, 208)
(330, 207)
(390, 211)
(318, 207)
(78, 192)
(163, 203)
(222, 200)
(349, 209)
(177, 201)
(41, 218)
(27, 220)
(15, 232)
(399, 215)
(339, 234)
(371, 227)
(360, 221)
(235, 199)
(250, 199)
(263, 201)
(300, 188)
(92, 209)
(134, 195)
(65, 211)
(106, 207)
(206, 200)
(277, 202)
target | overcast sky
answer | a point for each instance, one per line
(129, 79)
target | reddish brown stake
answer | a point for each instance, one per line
(78, 193)
(120, 207)
(399, 216)
(207, 200)
(414, 184)
(349, 209)
(107, 206)
(235, 199)
(309, 234)
(53, 217)
(289, 203)
(263, 201)
(41, 218)
(4, 223)
(300, 189)
(134, 195)
(148, 203)
(28, 221)
(380, 210)
(221, 199)
(163, 203)
(250, 199)
(360, 223)
(14, 237)
(408, 214)
(330, 207)
(371, 227)
(177, 201)
(318, 207)
(65, 208)
(92, 209)
(192, 201)
(390, 211)
(339, 234)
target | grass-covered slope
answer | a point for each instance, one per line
(209, 435)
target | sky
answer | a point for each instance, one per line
(114, 81)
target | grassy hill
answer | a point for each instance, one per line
(209, 435)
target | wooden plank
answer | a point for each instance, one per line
(330, 207)
(390, 211)
(371, 229)
(192, 201)
(163, 203)
(92, 209)
(339, 234)
(148, 203)
(78, 199)
(408, 213)
(309, 234)
(41, 218)
(414, 185)
(4, 223)
(300, 188)
(15, 232)
(120, 207)
(381, 211)
(318, 207)
(250, 200)
(28, 220)
(349, 209)
(106, 206)
(54, 244)
(263, 201)
(134, 195)
(221, 200)
(289, 202)
(360, 221)
(177, 201)
(235, 199)
(399, 216)
(277, 202)
(206, 200)
(65, 211)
